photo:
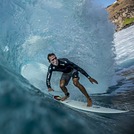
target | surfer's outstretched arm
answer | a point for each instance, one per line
(48, 78)
(92, 80)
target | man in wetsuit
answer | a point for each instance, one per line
(69, 70)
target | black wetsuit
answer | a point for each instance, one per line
(65, 66)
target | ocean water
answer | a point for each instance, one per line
(80, 31)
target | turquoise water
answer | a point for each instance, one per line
(77, 29)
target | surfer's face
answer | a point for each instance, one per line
(53, 60)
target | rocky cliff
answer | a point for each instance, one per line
(121, 13)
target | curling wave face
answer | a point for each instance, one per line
(78, 30)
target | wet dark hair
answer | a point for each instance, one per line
(50, 54)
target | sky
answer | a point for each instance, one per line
(105, 3)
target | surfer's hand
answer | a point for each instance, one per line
(50, 89)
(92, 80)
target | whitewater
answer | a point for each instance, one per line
(80, 31)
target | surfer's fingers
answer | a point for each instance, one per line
(96, 82)
(91, 82)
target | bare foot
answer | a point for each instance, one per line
(89, 102)
(64, 98)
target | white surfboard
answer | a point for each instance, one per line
(95, 108)
(82, 106)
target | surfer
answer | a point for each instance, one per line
(69, 70)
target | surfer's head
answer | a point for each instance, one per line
(52, 59)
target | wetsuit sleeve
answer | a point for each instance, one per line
(48, 78)
(79, 69)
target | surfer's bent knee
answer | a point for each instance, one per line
(62, 85)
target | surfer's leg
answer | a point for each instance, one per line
(83, 90)
(62, 86)
(63, 83)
